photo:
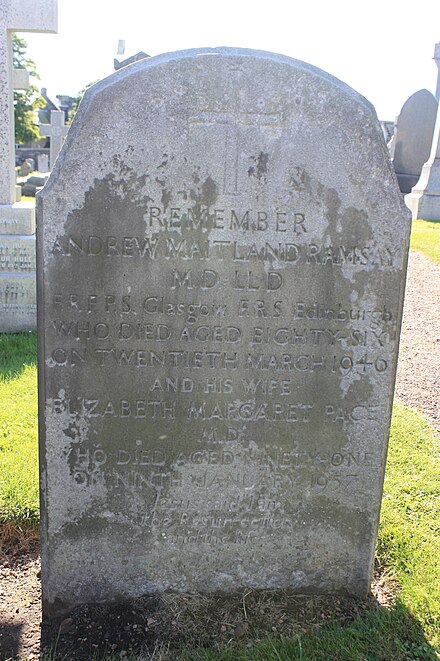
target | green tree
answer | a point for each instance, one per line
(26, 102)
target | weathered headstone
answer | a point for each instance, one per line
(221, 282)
(413, 138)
(26, 167)
(17, 292)
(56, 131)
(43, 163)
(424, 199)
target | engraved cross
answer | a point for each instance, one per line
(234, 125)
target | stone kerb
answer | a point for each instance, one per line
(220, 294)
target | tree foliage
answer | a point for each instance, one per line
(26, 102)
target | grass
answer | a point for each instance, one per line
(409, 537)
(17, 350)
(18, 433)
(408, 544)
(425, 236)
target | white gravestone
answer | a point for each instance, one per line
(43, 163)
(17, 298)
(56, 131)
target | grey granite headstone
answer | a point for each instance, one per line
(221, 275)
(413, 138)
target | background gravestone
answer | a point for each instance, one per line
(413, 137)
(424, 199)
(221, 276)
(43, 163)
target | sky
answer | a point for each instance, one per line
(382, 48)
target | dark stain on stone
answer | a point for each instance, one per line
(355, 227)
(299, 179)
(209, 192)
(166, 198)
(259, 170)
(165, 161)
(71, 431)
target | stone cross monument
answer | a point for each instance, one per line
(56, 131)
(424, 198)
(16, 16)
(20, 79)
(17, 219)
(437, 61)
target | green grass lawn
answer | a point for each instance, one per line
(425, 236)
(408, 544)
(18, 429)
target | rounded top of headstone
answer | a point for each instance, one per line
(423, 97)
(156, 104)
(414, 131)
(199, 54)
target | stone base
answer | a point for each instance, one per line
(18, 302)
(424, 199)
(424, 205)
(18, 218)
(407, 181)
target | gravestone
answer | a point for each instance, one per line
(413, 138)
(17, 219)
(221, 276)
(424, 199)
(56, 131)
(26, 167)
(43, 163)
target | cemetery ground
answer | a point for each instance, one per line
(400, 620)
